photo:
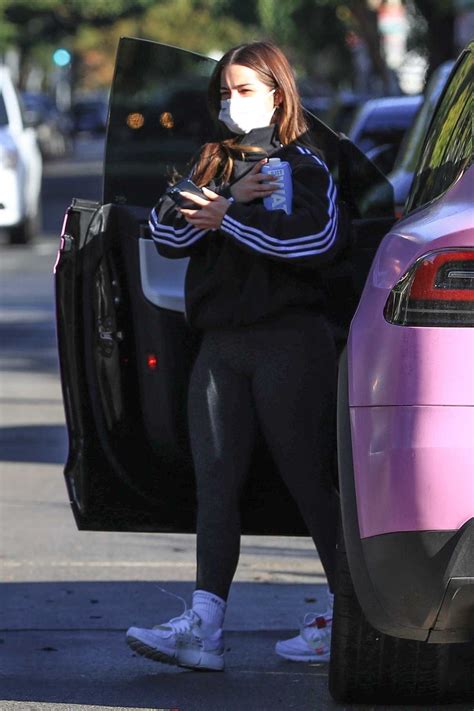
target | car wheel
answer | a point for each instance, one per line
(25, 232)
(368, 666)
(20, 234)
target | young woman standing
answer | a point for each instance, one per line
(267, 358)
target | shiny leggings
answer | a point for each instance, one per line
(280, 376)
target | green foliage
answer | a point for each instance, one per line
(86, 9)
(180, 22)
(30, 23)
(183, 23)
(312, 32)
(277, 18)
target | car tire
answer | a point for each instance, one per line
(20, 234)
(26, 231)
(370, 667)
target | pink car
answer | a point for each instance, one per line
(404, 615)
(406, 438)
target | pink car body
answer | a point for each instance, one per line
(411, 388)
(407, 486)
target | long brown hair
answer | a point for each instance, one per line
(273, 70)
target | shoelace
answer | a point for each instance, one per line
(183, 623)
(168, 592)
(317, 620)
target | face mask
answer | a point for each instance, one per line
(243, 114)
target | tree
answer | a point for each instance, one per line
(438, 38)
(183, 23)
(30, 25)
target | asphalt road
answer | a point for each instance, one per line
(68, 597)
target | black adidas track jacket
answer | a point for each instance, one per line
(259, 262)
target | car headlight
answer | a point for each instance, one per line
(8, 157)
(438, 290)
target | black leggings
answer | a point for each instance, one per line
(279, 375)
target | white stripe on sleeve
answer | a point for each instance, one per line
(171, 236)
(305, 245)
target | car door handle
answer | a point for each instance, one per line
(109, 336)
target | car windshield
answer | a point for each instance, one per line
(3, 113)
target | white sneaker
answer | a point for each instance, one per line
(181, 641)
(313, 643)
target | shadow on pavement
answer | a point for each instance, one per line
(29, 345)
(44, 444)
(64, 643)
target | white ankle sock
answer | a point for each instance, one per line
(210, 608)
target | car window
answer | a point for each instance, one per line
(410, 149)
(448, 148)
(158, 119)
(3, 112)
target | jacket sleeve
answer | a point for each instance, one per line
(311, 235)
(173, 236)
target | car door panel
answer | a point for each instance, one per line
(126, 351)
(129, 465)
(162, 279)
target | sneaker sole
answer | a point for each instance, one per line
(306, 657)
(190, 660)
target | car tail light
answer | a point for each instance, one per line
(438, 290)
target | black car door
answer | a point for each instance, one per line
(125, 349)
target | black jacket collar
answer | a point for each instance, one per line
(265, 138)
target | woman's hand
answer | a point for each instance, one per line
(211, 212)
(253, 185)
(213, 207)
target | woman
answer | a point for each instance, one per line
(267, 358)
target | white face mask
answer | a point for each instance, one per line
(242, 114)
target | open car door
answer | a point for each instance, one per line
(125, 349)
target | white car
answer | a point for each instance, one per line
(20, 167)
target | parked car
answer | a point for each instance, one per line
(342, 109)
(53, 127)
(406, 557)
(379, 125)
(20, 168)
(89, 115)
(404, 617)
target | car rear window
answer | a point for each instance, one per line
(448, 148)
